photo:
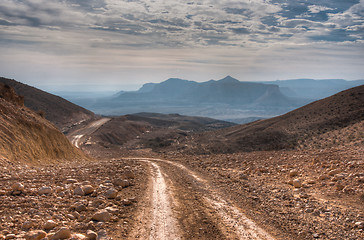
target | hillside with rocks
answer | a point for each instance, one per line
(287, 131)
(62, 113)
(25, 136)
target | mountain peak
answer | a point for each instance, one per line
(229, 79)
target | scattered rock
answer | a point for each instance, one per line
(88, 189)
(293, 173)
(129, 174)
(35, 235)
(297, 183)
(44, 190)
(91, 235)
(49, 225)
(71, 180)
(80, 207)
(62, 233)
(122, 183)
(102, 216)
(334, 171)
(78, 191)
(17, 187)
(10, 236)
(27, 225)
(111, 193)
(77, 236)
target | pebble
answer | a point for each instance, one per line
(102, 216)
(79, 191)
(44, 190)
(62, 233)
(91, 235)
(35, 235)
(17, 187)
(111, 193)
(297, 183)
(293, 173)
(88, 189)
(49, 225)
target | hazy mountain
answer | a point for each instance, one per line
(27, 136)
(227, 98)
(314, 89)
(59, 111)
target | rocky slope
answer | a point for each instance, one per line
(57, 110)
(287, 131)
(25, 136)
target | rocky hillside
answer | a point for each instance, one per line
(57, 110)
(152, 130)
(25, 136)
(287, 131)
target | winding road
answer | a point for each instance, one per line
(77, 136)
(181, 204)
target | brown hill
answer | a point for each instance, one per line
(59, 111)
(25, 136)
(152, 130)
(287, 131)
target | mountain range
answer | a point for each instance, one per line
(226, 99)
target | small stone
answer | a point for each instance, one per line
(359, 225)
(297, 183)
(127, 202)
(79, 191)
(44, 190)
(293, 173)
(88, 189)
(71, 180)
(315, 235)
(91, 235)
(35, 235)
(129, 174)
(111, 193)
(62, 233)
(49, 225)
(10, 236)
(102, 216)
(77, 236)
(122, 183)
(27, 225)
(17, 187)
(80, 208)
(334, 171)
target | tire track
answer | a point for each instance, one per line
(232, 221)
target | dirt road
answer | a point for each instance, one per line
(179, 204)
(77, 136)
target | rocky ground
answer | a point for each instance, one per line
(295, 194)
(93, 200)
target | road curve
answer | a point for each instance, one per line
(77, 136)
(199, 211)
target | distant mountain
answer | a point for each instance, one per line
(225, 91)
(330, 114)
(57, 110)
(26, 136)
(314, 89)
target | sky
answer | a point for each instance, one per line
(106, 45)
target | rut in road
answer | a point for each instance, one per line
(156, 221)
(232, 221)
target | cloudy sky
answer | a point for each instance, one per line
(113, 44)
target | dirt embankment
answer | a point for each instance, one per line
(25, 136)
